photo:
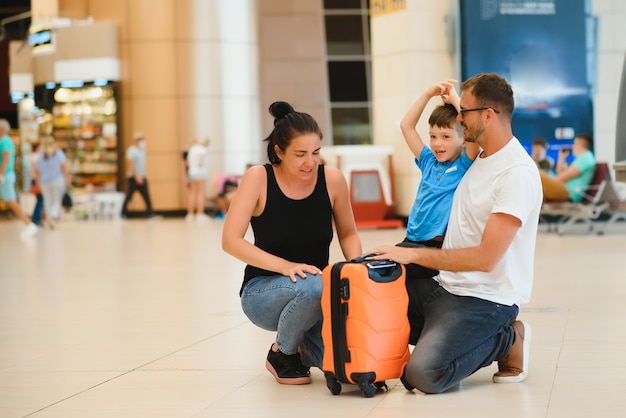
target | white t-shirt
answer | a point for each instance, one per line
(505, 182)
(197, 161)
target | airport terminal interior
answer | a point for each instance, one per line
(110, 317)
(141, 318)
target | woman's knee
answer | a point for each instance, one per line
(311, 286)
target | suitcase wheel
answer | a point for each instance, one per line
(332, 383)
(381, 386)
(366, 383)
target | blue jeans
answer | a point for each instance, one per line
(275, 303)
(36, 218)
(459, 335)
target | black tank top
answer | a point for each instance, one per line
(296, 230)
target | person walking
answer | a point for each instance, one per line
(52, 175)
(7, 179)
(136, 173)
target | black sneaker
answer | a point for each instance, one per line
(287, 369)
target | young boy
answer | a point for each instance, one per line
(443, 164)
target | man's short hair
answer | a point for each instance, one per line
(540, 141)
(491, 90)
(587, 139)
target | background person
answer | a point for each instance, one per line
(539, 152)
(38, 210)
(468, 313)
(7, 179)
(53, 178)
(571, 182)
(136, 172)
(291, 204)
(197, 172)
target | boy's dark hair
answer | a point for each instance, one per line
(444, 116)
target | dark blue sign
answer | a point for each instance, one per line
(541, 48)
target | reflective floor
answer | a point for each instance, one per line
(141, 318)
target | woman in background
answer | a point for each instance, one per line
(52, 175)
(197, 172)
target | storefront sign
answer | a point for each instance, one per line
(380, 7)
(42, 41)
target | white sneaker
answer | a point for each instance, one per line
(202, 217)
(189, 217)
(30, 230)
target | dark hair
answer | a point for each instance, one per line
(287, 125)
(540, 141)
(491, 90)
(587, 138)
(444, 116)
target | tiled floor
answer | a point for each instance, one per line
(142, 319)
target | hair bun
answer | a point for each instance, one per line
(280, 109)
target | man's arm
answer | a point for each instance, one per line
(499, 232)
(413, 115)
(5, 164)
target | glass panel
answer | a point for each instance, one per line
(366, 187)
(351, 126)
(347, 81)
(344, 35)
(342, 4)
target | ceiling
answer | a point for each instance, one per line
(14, 29)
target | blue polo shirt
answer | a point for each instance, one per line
(433, 202)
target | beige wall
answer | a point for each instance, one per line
(292, 59)
(402, 67)
(611, 50)
(176, 83)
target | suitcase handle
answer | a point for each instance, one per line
(380, 274)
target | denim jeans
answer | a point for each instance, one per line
(275, 303)
(459, 335)
(37, 211)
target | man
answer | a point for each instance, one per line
(7, 179)
(571, 181)
(468, 312)
(136, 173)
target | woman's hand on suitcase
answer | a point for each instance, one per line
(295, 270)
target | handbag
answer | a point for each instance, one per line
(67, 201)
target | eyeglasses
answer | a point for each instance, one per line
(464, 111)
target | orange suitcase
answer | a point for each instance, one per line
(365, 326)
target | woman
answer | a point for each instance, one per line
(197, 172)
(291, 204)
(53, 177)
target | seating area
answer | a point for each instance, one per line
(602, 205)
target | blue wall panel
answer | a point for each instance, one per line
(541, 48)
